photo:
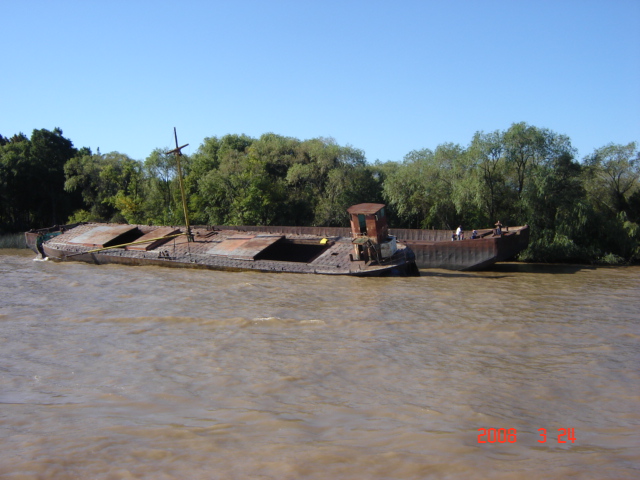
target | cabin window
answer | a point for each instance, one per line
(363, 223)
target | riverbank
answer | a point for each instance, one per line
(13, 240)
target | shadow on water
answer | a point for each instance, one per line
(503, 270)
(451, 274)
(517, 267)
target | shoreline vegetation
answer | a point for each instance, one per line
(13, 240)
(583, 211)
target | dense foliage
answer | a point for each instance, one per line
(586, 211)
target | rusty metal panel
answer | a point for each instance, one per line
(335, 256)
(154, 238)
(102, 235)
(244, 247)
(455, 255)
(253, 247)
(365, 208)
(229, 244)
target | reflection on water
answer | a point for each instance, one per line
(151, 373)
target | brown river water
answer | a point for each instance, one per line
(118, 372)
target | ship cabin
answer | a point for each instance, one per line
(370, 232)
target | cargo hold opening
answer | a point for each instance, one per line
(292, 251)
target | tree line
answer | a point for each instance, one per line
(579, 211)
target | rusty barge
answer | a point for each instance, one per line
(430, 249)
(433, 249)
(366, 249)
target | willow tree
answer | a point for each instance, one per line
(612, 180)
(487, 178)
(324, 179)
(524, 149)
(350, 182)
(163, 204)
(613, 176)
(420, 190)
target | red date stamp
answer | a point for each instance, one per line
(510, 435)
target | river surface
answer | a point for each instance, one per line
(118, 372)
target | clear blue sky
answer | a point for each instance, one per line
(387, 77)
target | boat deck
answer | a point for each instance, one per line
(217, 249)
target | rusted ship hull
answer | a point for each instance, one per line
(217, 249)
(426, 249)
(435, 249)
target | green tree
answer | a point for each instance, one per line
(110, 185)
(612, 182)
(560, 218)
(486, 155)
(17, 178)
(308, 175)
(349, 183)
(32, 174)
(50, 151)
(202, 162)
(420, 191)
(613, 176)
(162, 193)
(238, 193)
(524, 148)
